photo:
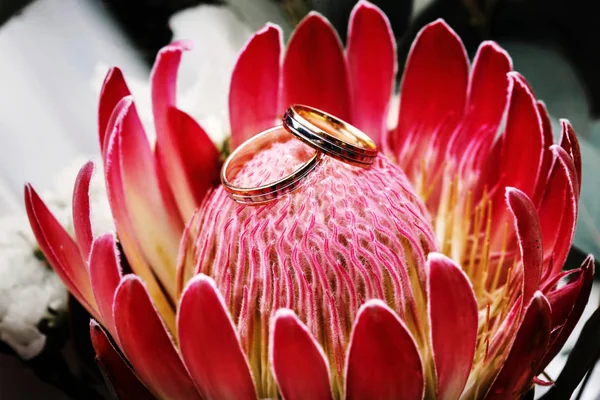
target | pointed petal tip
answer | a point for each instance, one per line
(89, 165)
(512, 192)
(255, 84)
(113, 71)
(315, 14)
(494, 47)
(284, 313)
(201, 280)
(519, 81)
(82, 212)
(589, 264)
(440, 26)
(94, 324)
(365, 4)
(269, 27)
(373, 304)
(178, 45)
(435, 256)
(564, 122)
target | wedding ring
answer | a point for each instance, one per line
(263, 193)
(331, 135)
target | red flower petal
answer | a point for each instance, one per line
(371, 55)
(567, 305)
(198, 159)
(164, 87)
(60, 250)
(488, 94)
(185, 259)
(569, 142)
(299, 365)
(454, 318)
(151, 224)
(254, 91)
(546, 153)
(558, 211)
(488, 86)
(529, 239)
(209, 343)
(123, 380)
(146, 343)
(118, 204)
(522, 140)
(516, 375)
(521, 153)
(186, 155)
(438, 64)
(81, 210)
(383, 360)
(113, 90)
(314, 69)
(105, 275)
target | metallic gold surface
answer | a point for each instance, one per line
(331, 135)
(263, 193)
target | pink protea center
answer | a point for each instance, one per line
(347, 235)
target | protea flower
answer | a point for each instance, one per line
(434, 273)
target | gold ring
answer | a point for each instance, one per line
(331, 135)
(264, 193)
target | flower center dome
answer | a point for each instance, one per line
(346, 235)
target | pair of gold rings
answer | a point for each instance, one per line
(328, 135)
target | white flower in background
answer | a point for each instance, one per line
(29, 290)
(217, 34)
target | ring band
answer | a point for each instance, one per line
(263, 193)
(331, 135)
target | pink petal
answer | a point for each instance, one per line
(113, 90)
(254, 90)
(569, 142)
(438, 64)
(299, 365)
(197, 164)
(522, 140)
(488, 86)
(488, 94)
(105, 275)
(558, 211)
(152, 227)
(164, 86)
(314, 69)
(60, 250)
(371, 55)
(209, 344)
(185, 154)
(164, 95)
(529, 239)
(123, 220)
(123, 380)
(454, 318)
(146, 343)
(516, 375)
(81, 210)
(383, 360)
(546, 153)
(567, 305)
